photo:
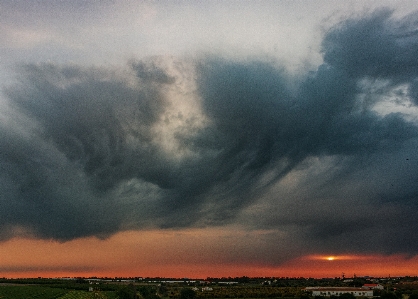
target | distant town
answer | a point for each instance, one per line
(210, 287)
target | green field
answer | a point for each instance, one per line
(30, 292)
(37, 292)
(88, 295)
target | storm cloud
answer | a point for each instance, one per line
(319, 158)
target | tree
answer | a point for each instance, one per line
(146, 291)
(187, 293)
(347, 296)
(127, 292)
(388, 295)
(162, 290)
(306, 296)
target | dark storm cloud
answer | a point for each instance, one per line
(372, 191)
(58, 177)
(89, 153)
(85, 121)
(375, 46)
(374, 49)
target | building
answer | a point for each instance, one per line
(337, 291)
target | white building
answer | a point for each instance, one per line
(337, 291)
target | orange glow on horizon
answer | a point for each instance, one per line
(197, 253)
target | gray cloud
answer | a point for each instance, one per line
(376, 46)
(164, 143)
(359, 175)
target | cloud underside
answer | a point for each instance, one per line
(325, 160)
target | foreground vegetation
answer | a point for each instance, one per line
(30, 292)
(157, 288)
(43, 292)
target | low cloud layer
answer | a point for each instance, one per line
(317, 159)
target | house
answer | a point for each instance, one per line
(337, 291)
(373, 286)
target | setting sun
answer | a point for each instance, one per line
(330, 258)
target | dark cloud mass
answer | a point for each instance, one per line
(169, 143)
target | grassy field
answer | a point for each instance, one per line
(232, 292)
(37, 292)
(105, 291)
(89, 295)
(30, 292)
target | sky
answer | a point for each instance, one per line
(208, 138)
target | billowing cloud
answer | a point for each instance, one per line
(320, 161)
